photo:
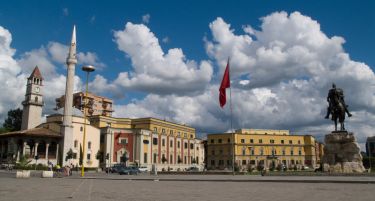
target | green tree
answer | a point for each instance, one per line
(100, 156)
(69, 155)
(14, 120)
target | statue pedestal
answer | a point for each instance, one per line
(342, 153)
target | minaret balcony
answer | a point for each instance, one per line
(30, 102)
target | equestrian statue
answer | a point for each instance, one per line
(337, 107)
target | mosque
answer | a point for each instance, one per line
(109, 140)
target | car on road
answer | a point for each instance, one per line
(128, 170)
(114, 168)
(143, 169)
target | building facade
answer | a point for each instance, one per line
(255, 148)
(148, 141)
(96, 105)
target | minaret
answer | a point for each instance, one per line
(33, 103)
(67, 127)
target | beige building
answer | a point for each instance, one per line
(261, 148)
(148, 141)
(95, 105)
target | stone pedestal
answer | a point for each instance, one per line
(342, 153)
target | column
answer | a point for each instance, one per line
(57, 153)
(36, 144)
(24, 148)
(47, 146)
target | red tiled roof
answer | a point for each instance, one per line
(36, 73)
(37, 132)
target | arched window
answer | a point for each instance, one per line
(89, 145)
(75, 143)
(36, 99)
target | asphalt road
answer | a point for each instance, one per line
(125, 188)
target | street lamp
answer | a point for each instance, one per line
(87, 69)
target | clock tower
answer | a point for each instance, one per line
(33, 103)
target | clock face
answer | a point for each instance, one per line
(37, 89)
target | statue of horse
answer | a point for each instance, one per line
(338, 113)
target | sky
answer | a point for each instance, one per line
(165, 59)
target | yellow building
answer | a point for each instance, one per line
(261, 148)
(148, 141)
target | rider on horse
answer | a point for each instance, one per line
(336, 95)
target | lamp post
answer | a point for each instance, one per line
(87, 69)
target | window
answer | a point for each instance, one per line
(229, 162)
(221, 162)
(185, 145)
(260, 141)
(299, 152)
(191, 136)
(261, 151)
(154, 157)
(242, 140)
(171, 159)
(283, 152)
(89, 145)
(243, 152)
(155, 129)
(220, 141)
(291, 152)
(75, 143)
(171, 132)
(154, 141)
(221, 151)
(282, 141)
(81, 129)
(185, 134)
(243, 162)
(179, 134)
(191, 146)
(252, 151)
(213, 152)
(290, 142)
(228, 140)
(184, 159)
(299, 141)
(145, 158)
(251, 141)
(123, 141)
(272, 141)
(212, 141)
(163, 142)
(88, 157)
(163, 130)
(213, 162)
(178, 144)
(171, 143)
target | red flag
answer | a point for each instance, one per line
(225, 83)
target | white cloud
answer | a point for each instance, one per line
(280, 78)
(146, 18)
(156, 71)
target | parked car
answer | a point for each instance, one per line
(128, 170)
(192, 169)
(143, 169)
(114, 168)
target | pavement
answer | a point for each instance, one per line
(360, 179)
(145, 187)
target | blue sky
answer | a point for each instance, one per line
(270, 68)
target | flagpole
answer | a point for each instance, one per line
(231, 121)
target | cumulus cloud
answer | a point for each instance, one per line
(281, 74)
(14, 72)
(156, 71)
